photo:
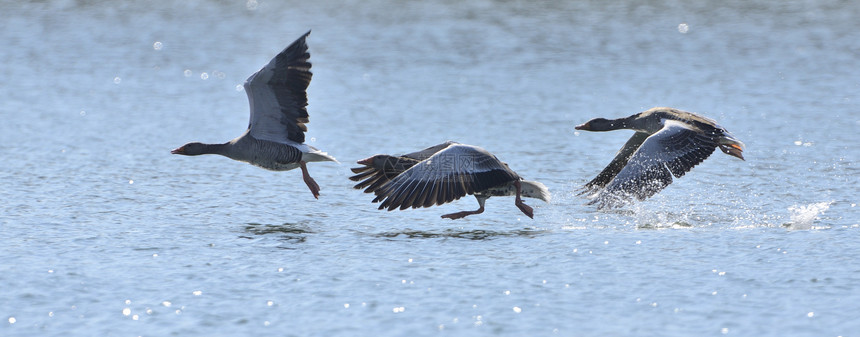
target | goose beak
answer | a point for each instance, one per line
(179, 150)
(583, 126)
(366, 161)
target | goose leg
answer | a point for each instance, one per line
(463, 214)
(312, 185)
(526, 209)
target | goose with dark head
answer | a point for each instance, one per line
(668, 142)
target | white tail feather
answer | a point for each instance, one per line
(536, 190)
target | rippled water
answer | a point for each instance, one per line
(105, 233)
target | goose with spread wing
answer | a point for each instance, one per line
(668, 142)
(441, 174)
(275, 136)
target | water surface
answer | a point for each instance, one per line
(106, 233)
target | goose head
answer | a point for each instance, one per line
(191, 149)
(601, 124)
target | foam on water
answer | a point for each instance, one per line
(804, 216)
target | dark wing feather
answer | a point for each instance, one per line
(278, 95)
(672, 151)
(372, 178)
(617, 163)
(448, 175)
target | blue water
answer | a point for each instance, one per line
(104, 232)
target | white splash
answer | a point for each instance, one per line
(802, 217)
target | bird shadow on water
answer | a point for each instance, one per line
(466, 234)
(292, 233)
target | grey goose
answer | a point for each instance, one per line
(441, 174)
(275, 136)
(668, 142)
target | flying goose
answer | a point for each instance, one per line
(441, 174)
(275, 136)
(667, 142)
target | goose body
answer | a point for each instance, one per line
(275, 137)
(668, 142)
(441, 174)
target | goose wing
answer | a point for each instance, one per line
(447, 175)
(278, 95)
(617, 163)
(673, 150)
(372, 178)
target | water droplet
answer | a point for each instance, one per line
(127, 302)
(724, 331)
(83, 113)
(204, 76)
(50, 314)
(266, 323)
(270, 303)
(117, 80)
(187, 73)
(166, 303)
(50, 271)
(346, 305)
(157, 45)
(126, 311)
(197, 293)
(12, 320)
(135, 317)
(638, 242)
(131, 182)
(155, 255)
(281, 269)
(507, 292)
(251, 5)
(239, 87)
(518, 310)
(683, 28)
(810, 314)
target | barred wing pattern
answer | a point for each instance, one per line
(456, 171)
(278, 95)
(674, 150)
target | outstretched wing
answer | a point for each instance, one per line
(673, 150)
(372, 177)
(448, 175)
(278, 95)
(616, 165)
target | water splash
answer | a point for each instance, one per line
(802, 217)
